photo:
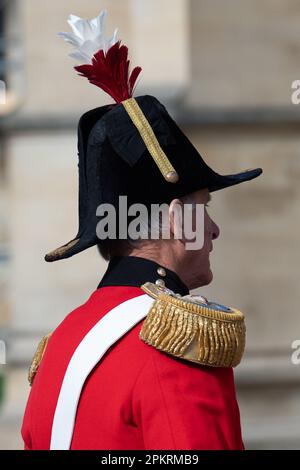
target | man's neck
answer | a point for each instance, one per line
(164, 258)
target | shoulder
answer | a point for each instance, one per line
(56, 348)
(193, 328)
(167, 368)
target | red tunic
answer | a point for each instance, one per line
(136, 397)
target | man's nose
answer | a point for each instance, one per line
(215, 230)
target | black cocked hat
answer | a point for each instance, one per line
(135, 149)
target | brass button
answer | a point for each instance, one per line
(161, 271)
(160, 283)
(172, 177)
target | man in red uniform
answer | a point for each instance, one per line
(142, 364)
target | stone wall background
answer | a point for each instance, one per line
(225, 70)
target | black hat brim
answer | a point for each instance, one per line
(225, 181)
(220, 182)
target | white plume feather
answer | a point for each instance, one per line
(88, 37)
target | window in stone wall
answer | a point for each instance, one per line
(11, 85)
(11, 55)
(2, 48)
(2, 58)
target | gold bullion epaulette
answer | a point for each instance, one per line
(38, 356)
(192, 328)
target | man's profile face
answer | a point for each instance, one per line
(201, 273)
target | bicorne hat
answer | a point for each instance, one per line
(132, 148)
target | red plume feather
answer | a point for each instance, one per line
(110, 72)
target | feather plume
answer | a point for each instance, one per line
(105, 61)
(110, 72)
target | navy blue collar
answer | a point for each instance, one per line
(135, 271)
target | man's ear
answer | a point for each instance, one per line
(176, 219)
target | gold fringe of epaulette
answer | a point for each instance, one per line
(38, 356)
(194, 332)
(146, 132)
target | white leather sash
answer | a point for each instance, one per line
(88, 353)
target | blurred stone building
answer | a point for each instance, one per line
(225, 70)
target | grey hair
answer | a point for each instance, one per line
(153, 227)
(150, 229)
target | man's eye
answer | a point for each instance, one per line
(207, 205)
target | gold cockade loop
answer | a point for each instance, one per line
(146, 132)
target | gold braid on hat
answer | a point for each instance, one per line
(146, 132)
